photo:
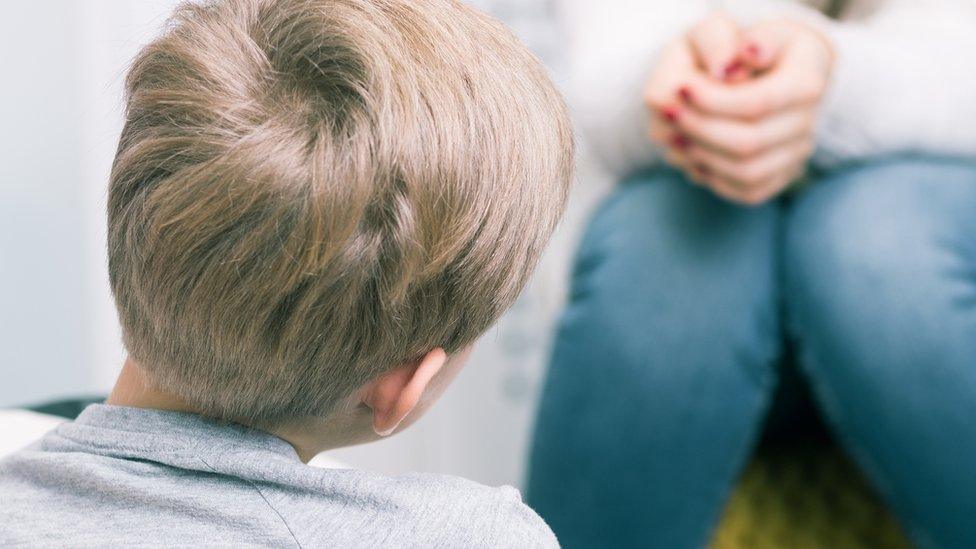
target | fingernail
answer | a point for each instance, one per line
(753, 50)
(685, 93)
(680, 141)
(731, 68)
(670, 114)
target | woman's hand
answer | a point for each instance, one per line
(740, 123)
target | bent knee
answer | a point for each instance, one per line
(666, 274)
(659, 231)
(880, 240)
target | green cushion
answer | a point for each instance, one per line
(805, 494)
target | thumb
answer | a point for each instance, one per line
(761, 46)
(715, 41)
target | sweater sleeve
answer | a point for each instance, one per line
(613, 45)
(905, 81)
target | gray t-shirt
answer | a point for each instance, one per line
(125, 476)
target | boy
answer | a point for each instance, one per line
(316, 208)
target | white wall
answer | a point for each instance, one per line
(41, 296)
(63, 63)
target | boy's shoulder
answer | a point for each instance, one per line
(495, 516)
(252, 499)
(424, 509)
(188, 480)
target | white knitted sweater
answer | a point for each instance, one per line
(905, 78)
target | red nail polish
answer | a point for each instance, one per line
(670, 114)
(731, 68)
(680, 141)
(685, 93)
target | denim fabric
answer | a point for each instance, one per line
(667, 354)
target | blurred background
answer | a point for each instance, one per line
(64, 62)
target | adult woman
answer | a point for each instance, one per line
(666, 357)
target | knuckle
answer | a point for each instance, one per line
(718, 18)
(757, 106)
(751, 173)
(810, 88)
(649, 98)
(654, 98)
(809, 147)
(674, 159)
(698, 30)
(652, 92)
(808, 123)
(747, 144)
(754, 198)
(702, 27)
(779, 183)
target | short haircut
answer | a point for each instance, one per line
(308, 193)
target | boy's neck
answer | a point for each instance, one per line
(133, 389)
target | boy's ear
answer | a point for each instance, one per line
(393, 395)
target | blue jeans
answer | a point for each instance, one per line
(666, 357)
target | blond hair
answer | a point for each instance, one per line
(308, 193)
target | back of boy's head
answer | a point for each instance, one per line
(308, 193)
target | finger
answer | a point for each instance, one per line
(782, 88)
(773, 188)
(726, 190)
(693, 172)
(664, 132)
(676, 159)
(715, 42)
(667, 136)
(757, 171)
(761, 46)
(739, 71)
(741, 139)
(676, 145)
(675, 65)
(765, 43)
(754, 196)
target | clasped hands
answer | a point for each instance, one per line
(735, 108)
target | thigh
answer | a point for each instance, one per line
(661, 369)
(880, 264)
